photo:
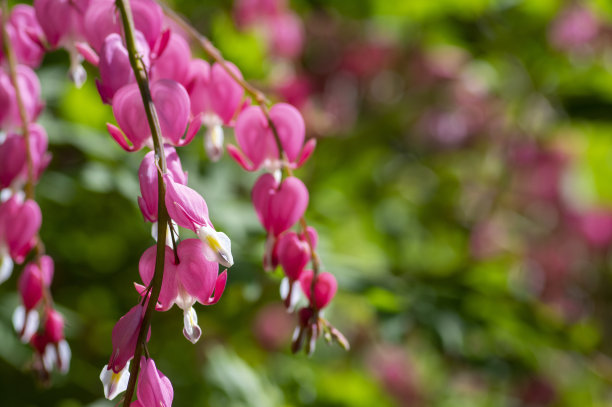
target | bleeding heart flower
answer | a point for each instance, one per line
(173, 109)
(258, 145)
(154, 389)
(194, 278)
(324, 288)
(114, 65)
(19, 224)
(279, 206)
(102, 18)
(173, 62)
(29, 86)
(147, 175)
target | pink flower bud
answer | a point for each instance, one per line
(102, 18)
(324, 289)
(54, 326)
(173, 109)
(114, 65)
(259, 146)
(125, 336)
(19, 224)
(154, 389)
(213, 91)
(293, 254)
(30, 94)
(279, 206)
(33, 280)
(147, 174)
(31, 286)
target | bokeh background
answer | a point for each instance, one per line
(462, 189)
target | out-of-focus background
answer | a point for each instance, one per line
(461, 187)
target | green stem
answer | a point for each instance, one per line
(163, 218)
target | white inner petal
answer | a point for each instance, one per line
(6, 265)
(114, 383)
(64, 356)
(284, 288)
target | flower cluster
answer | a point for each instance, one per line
(24, 156)
(160, 96)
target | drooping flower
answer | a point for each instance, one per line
(293, 252)
(125, 336)
(25, 35)
(279, 206)
(147, 175)
(258, 144)
(102, 18)
(154, 389)
(114, 65)
(194, 278)
(29, 86)
(173, 109)
(325, 288)
(189, 210)
(19, 224)
(62, 23)
(173, 60)
(33, 281)
(216, 95)
(14, 158)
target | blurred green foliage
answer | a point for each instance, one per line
(395, 214)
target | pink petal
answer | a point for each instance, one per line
(325, 287)
(293, 254)
(124, 338)
(237, 155)
(146, 268)
(287, 205)
(173, 63)
(13, 159)
(219, 288)
(225, 91)
(196, 274)
(307, 151)
(154, 389)
(130, 115)
(254, 136)
(185, 206)
(290, 128)
(31, 286)
(263, 189)
(22, 228)
(173, 108)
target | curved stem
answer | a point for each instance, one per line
(9, 53)
(163, 218)
(23, 115)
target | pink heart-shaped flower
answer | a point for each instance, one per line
(324, 289)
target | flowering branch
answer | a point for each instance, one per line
(160, 158)
(313, 321)
(12, 65)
